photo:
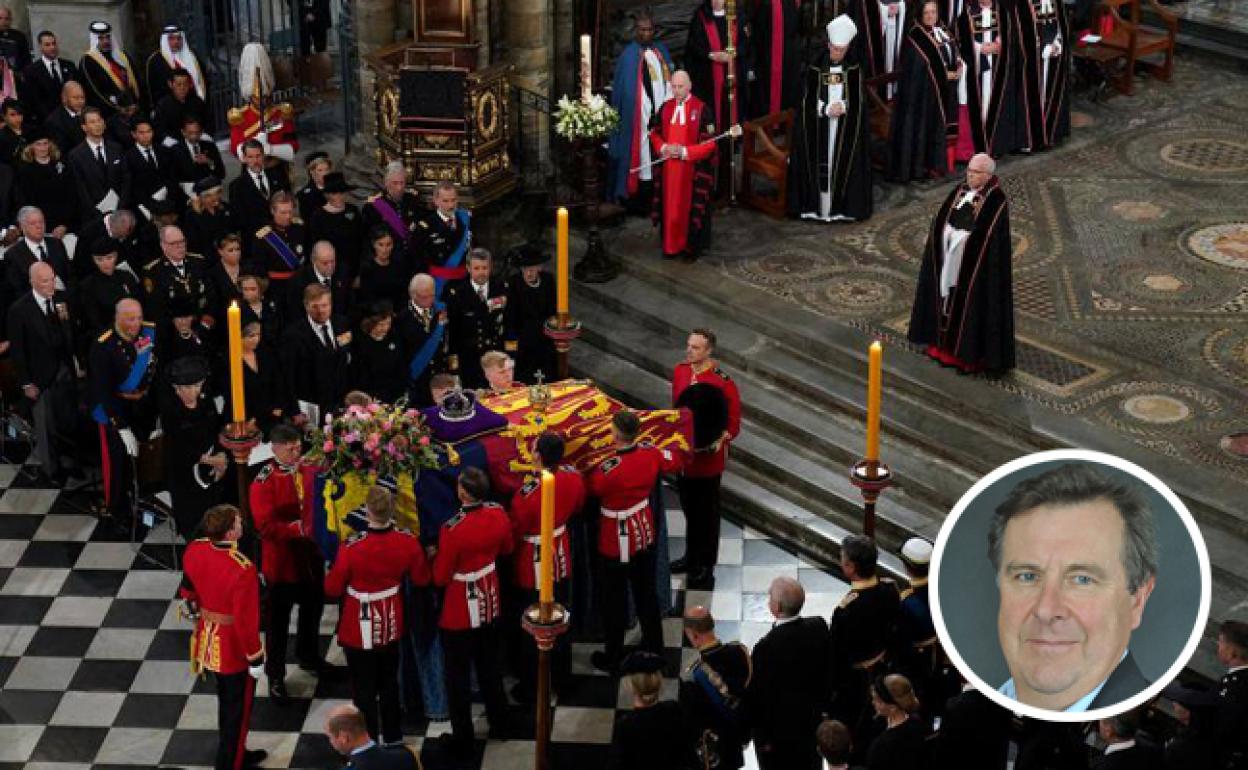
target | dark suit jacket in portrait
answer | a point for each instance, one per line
(1123, 682)
(790, 687)
(184, 167)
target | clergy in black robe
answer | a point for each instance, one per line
(194, 464)
(530, 303)
(964, 305)
(707, 62)
(830, 169)
(1046, 58)
(988, 42)
(882, 28)
(777, 57)
(925, 117)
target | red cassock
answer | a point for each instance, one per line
(368, 575)
(622, 483)
(225, 586)
(678, 173)
(707, 464)
(526, 523)
(281, 506)
(468, 548)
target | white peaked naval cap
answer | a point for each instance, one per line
(917, 551)
(841, 30)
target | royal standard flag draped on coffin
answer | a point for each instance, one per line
(576, 409)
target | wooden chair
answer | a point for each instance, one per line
(880, 116)
(1133, 41)
(766, 144)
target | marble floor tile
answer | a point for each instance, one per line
(581, 725)
(150, 584)
(88, 709)
(121, 643)
(77, 611)
(34, 581)
(71, 527)
(17, 742)
(35, 502)
(106, 556)
(757, 579)
(134, 746)
(163, 676)
(37, 673)
(11, 551)
(14, 640)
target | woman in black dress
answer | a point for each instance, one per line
(223, 276)
(264, 389)
(194, 465)
(653, 735)
(95, 297)
(258, 308)
(13, 136)
(925, 118)
(903, 744)
(378, 361)
(530, 303)
(45, 181)
(383, 276)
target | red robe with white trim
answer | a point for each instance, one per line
(683, 185)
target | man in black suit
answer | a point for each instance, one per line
(348, 734)
(33, 246)
(974, 732)
(321, 268)
(476, 306)
(1122, 749)
(788, 692)
(193, 158)
(175, 106)
(1069, 603)
(102, 182)
(44, 77)
(316, 355)
(64, 123)
(14, 45)
(418, 323)
(1232, 696)
(313, 25)
(253, 187)
(43, 360)
(148, 171)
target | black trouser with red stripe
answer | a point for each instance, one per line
(375, 690)
(117, 468)
(234, 696)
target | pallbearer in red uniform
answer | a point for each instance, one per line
(720, 416)
(368, 575)
(468, 548)
(680, 135)
(526, 523)
(626, 535)
(294, 570)
(221, 591)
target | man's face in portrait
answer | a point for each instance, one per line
(1066, 611)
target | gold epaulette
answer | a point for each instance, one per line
(296, 220)
(263, 231)
(241, 558)
(234, 116)
(374, 197)
(150, 266)
(150, 324)
(105, 336)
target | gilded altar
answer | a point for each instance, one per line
(444, 118)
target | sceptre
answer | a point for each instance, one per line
(734, 132)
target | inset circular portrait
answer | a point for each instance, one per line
(1070, 585)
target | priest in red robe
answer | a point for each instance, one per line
(680, 137)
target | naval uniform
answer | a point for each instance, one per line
(861, 628)
(440, 245)
(626, 541)
(469, 545)
(478, 324)
(1232, 719)
(713, 694)
(165, 282)
(121, 373)
(294, 570)
(278, 252)
(398, 217)
(223, 585)
(368, 576)
(915, 644)
(426, 343)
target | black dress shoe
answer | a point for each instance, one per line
(253, 757)
(322, 668)
(278, 692)
(702, 579)
(453, 746)
(523, 694)
(680, 566)
(600, 661)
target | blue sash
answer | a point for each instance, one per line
(457, 257)
(283, 249)
(731, 711)
(137, 371)
(427, 351)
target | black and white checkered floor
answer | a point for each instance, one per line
(93, 655)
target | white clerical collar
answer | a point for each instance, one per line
(72, 114)
(1123, 746)
(678, 116)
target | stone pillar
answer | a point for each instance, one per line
(70, 18)
(376, 22)
(567, 56)
(481, 31)
(529, 32)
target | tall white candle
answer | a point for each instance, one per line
(587, 79)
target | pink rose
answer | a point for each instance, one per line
(374, 408)
(351, 437)
(358, 463)
(424, 441)
(372, 442)
(328, 446)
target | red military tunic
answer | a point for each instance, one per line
(707, 464)
(224, 585)
(468, 547)
(622, 483)
(678, 173)
(526, 523)
(281, 506)
(369, 576)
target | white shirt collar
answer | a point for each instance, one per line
(40, 299)
(363, 748)
(782, 621)
(48, 62)
(94, 144)
(316, 327)
(1123, 746)
(320, 278)
(34, 247)
(1233, 669)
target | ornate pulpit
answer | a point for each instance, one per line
(439, 113)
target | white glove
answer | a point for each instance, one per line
(161, 194)
(132, 443)
(256, 670)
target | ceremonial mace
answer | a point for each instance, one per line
(547, 619)
(730, 15)
(869, 475)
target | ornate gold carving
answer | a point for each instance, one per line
(487, 116)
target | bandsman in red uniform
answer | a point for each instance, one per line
(526, 523)
(466, 566)
(221, 591)
(368, 576)
(627, 535)
(293, 568)
(699, 484)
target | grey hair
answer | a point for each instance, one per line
(122, 216)
(26, 211)
(418, 280)
(1075, 483)
(445, 185)
(788, 595)
(480, 253)
(395, 168)
(319, 248)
